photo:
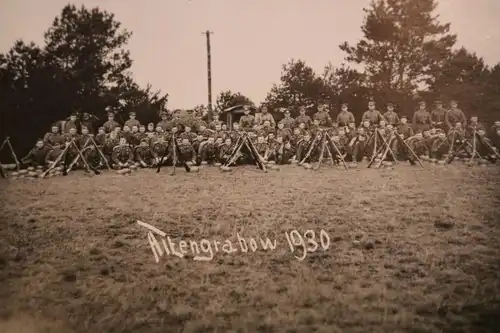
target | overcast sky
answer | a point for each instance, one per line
(251, 40)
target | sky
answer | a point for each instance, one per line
(251, 39)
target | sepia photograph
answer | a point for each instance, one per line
(249, 166)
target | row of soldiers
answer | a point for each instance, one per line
(289, 139)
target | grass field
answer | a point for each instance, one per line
(411, 251)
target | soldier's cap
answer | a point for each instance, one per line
(74, 113)
(343, 104)
(371, 100)
(132, 113)
(286, 110)
(390, 104)
(403, 116)
(111, 113)
(163, 113)
(453, 101)
(189, 110)
(421, 103)
(438, 101)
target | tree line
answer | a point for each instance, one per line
(406, 54)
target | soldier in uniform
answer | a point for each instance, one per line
(187, 134)
(37, 155)
(264, 115)
(322, 116)
(209, 151)
(218, 132)
(163, 123)
(143, 154)
(247, 120)
(190, 119)
(261, 145)
(285, 133)
(127, 134)
(215, 122)
(89, 121)
(187, 152)
(267, 128)
(345, 116)
(131, 121)
(372, 115)
(111, 142)
(84, 138)
(111, 124)
(303, 147)
(390, 115)
(176, 121)
(296, 137)
(440, 147)
(225, 151)
(455, 115)
(404, 129)
(421, 119)
(303, 118)
(71, 123)
(287, 121)
(438, 115)
(54, 138)
(123, 155)
(315, 127)
(160, 150)
(474, 126)
(285, 153)
(356, 149)
(101, 136)
(351, 130)
(367, 128)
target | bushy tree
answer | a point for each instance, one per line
(299, 86)
(403, 45)
(227, 99)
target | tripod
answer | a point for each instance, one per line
(3, 168)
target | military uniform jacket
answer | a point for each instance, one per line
(159, 148)
(454, 116)
(260, 118)
(324, 118)
(188, 135)
(247, 121)
(38, 155)
(164, 124)
(345, 117)
(69, 125)
(373, 116)
(438, 115)
(132, 122)
(421, 117)
(288, 122)
(285, 133)
(123, 154)
(110, 126)
(303, 119)
(83, 140)
(100, 139)
(261, 148)
(405, 129)
(391, 117)
(109, 145)
(54, 139)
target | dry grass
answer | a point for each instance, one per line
(411, 251)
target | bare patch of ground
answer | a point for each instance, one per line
(411, 251)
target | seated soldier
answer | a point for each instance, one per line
(267, 128)
(417, 144)
(303, 147)
(283, 132)
(151, 128)
(484, 146)
(187, 134)
(187, 152)
(209, 151)
(315, 128)
(37, 155)
(101, 137)
(218, 132)
(351, 130)
(495, 138)
(296, 137)
(54, 138)
(159, 130)
(356, 149)
(286, 154)
(302, 128)
(141, 134)
(84, 139)
(225, 151)
(111, 142)
(129, 136)
(143, 154)
(123, 155)
(261, 146)
(160, 151)
(440, 147)
(93, 157)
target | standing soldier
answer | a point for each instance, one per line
(111, 124)
(438, 115)
(264, 115)
(71, 123)
(345, 117)
(322, 115)
(89, 121)
(404, 129)
(215, 121)
(131, 121)
(372, 115)
(303, 118)
(190, 119)
(287, 121)
(421, 119)
(163, 123)
(455, 115)
(391, 116)
(247, 120)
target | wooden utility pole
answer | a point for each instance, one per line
(209, 74)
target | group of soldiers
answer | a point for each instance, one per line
(190, 139)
